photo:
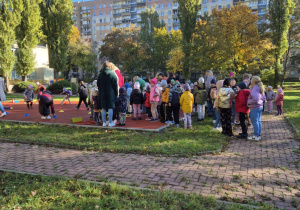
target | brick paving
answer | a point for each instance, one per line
(262, 171)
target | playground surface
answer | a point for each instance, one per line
(18, 112)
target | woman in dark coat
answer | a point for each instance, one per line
(107, 93)
(2, 97)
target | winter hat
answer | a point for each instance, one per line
(195, 83)
(242, 85)
(154, 81)
(188, 82)
(30, 86)
(231, 74)
(122, 90)
(37, 83)
(130, 83)
(159, 74)
(213, 81)
(279, 90)
(200, 80)
(226, 82)
(127, 86)
(163, 83)
(137, 85)
(269, 87)
(187, 87)
(177, 83)
(172, 81)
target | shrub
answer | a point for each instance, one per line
(267, 76)
(57, 87)
(20, 87)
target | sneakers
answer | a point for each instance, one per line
(140, 118)
(254, 138)
(104, 124)
(48, 117)
(134, 118)
(75, 107)
(242, 136)
(121, 124)
(215, 129)
(88, 108)
(3, 114)
(112, 124)
(214, 121)
(191, 127)
(115, 121)
(154, 120)
(91, 117)
(148, 118)
(177, 125)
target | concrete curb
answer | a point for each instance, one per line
(126, 186)
(294, 129)
(90, 126)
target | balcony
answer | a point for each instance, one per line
(175, 7)
(126, 5)
(139, 20)
(117, 14)
(176, 24)
(126, 13)
(175, 16)
(126, 21)
(140, 4)
(116, 1)
(117, 22)
(117, 7)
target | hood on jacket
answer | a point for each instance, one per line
(219, 84)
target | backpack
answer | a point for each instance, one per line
(175, 99)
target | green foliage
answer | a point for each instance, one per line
(28, 35)
(280, 12)
(187, 14)
(267, 76)
(57, 87)
(57, 25)
(10, 16)
(21, 86)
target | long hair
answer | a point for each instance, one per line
(257, 81)
(112, 66)
(201, 82)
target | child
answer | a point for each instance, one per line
(121, 104)
(242, 108)
(128, 92)
(90, 98)
(209, 98)
(225, 97)
(147, 101)
(200, 98)
(214, 94)
(233, 111)
(174, 101)
(154, 99)
(68, 93)
(96, 109)
(164, 99)
(45, 103)
(270, 96)
(186, 102)
(279, 101)
(28, 96)
(255, 103)
(136, 99)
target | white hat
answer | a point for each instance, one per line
(37, 83)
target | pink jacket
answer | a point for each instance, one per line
(154, 94)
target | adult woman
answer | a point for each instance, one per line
(117, 71)
(108, 91)
(255, 103)
(83, 94)
(2, 97)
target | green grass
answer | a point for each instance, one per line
(172, 141)
(291, 103)
(40, 192)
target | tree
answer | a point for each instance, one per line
(57, 25)
(293, 37)
(174, 64)
(187, 14)
(28, 35)
(280, 12)
(10, 16)
(74, 35)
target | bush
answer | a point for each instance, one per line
(57, 87)
(20, 87)
(267, 76)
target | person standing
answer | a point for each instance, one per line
(28, 96)
(255, 103)
(200, 98)
(107, 93)
(2, 97)
(174, 101)
(209, 78)
(186, 102)
(83, 94)
(279, 100)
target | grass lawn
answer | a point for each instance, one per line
(40, 192)
(172, 141)
(291, 103)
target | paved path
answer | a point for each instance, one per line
(265, 170)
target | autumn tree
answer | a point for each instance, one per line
(10, 17)
(280, 12)
(57, 25)
(187, 15)
(175, 63)
(28, 35)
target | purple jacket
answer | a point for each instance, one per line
(255, 99)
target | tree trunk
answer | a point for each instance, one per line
(276, 76)
(7, 81)
(24, 78)
(285, 67)
(55, 75)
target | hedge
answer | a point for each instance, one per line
(20, 87)
(57, 87)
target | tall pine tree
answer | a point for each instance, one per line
(187, 14)
(10, 16)
(57, 25)
(28, 35)
(280, 12)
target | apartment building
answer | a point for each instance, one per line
(96, 18)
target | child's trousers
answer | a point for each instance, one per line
(154, 110)
(123, 118)
(243, 117)
(187, 120)
(279, 109)
(136, 110)
(201, 111)
(270, 106)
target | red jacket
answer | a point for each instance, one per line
(279, 99)
(147, 101)
(241, 101)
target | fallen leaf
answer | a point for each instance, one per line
(33, 193)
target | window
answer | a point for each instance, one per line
(111, 12)
(162, 14)
(110, 20)
(110, 4)
(169, 21)
(169, 12)
(100, 20)
(94, 7)
(219, 7)
(205, 10)
(157, 6)
(94, 14)
(100, 6)
(94, 28)
(104, 5)
(104, 27)
(170, 4)
(204, 1)
(228, 6)
(162, 6)
(104, 13)
(100, 13)
(94, 21)
(101, 27)
(104, 20)
(169, 28)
